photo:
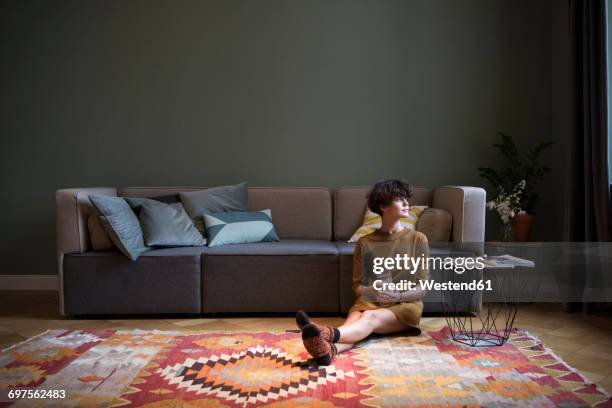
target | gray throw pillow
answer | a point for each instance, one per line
(121, 225)
(165, 225)
(100, 239)
(239, 227)
(214, 199)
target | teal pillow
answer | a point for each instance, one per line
(239, 227)
(121, 224)
(165, 225)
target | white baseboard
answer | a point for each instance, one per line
(28, 282)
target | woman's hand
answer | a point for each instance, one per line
(387, 297)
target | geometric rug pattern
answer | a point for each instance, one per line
(190, 369)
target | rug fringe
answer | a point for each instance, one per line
(572, 369)
(25, 341)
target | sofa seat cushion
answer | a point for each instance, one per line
(283, 247)
(345, 248)
(161, 281)
(178, 251)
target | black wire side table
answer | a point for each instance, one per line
(494, 307)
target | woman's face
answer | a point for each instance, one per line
(398, 208)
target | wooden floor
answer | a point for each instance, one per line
(583, 341)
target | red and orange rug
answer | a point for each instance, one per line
(156, 369)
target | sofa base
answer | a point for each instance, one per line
(163, 281)
(270, 283)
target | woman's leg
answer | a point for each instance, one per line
(340, 347)
(359, 325)
(381, 321)
(352, 317)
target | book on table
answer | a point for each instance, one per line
(507, 261)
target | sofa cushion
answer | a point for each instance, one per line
(350, 203)
(436, 224)
(151, 192)
(299, 212)
(282, 247)
(345, 248)
(100, 241)
(178, 251)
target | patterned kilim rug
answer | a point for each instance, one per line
(155, 369)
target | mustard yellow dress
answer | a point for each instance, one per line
(412, 243)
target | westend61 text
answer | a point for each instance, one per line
(405, 285)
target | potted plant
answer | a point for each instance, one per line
(515, 184)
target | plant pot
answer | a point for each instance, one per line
(521, 227)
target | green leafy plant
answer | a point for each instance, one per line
(525, 169)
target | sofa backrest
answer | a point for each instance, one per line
(350, 204)
(297, 212)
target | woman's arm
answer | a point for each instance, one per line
(423, 250)
(368, 293)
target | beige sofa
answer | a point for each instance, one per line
(310, 268)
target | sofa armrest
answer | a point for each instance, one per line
(72, 207)
(467, 205)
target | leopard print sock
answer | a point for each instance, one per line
(329, 333)
(322, 351)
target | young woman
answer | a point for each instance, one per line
(376, 311)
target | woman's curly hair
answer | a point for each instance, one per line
(384, 192)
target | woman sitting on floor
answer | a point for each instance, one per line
(376, 311)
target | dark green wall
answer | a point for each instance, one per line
(325, 93)
(609, 39)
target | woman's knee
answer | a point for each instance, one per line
(354, 315)
(371, 317)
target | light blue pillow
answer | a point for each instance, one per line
(165, 225)
(239, 227)
(121, 224)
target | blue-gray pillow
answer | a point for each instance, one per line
(165, 225)
(214, 199)
(239, 227)
(100, 239)
(121, 224)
